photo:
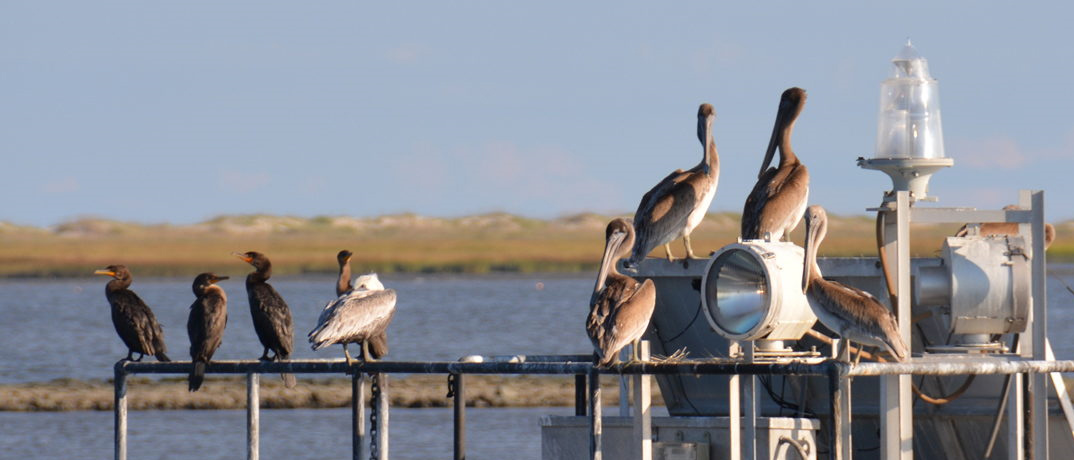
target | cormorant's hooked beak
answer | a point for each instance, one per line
(217, 279)
(105, 272)
(242, 256)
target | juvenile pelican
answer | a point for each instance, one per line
(132, 318)
(356, 316)
(1008, 228)
(852, 313)
(778, 199)
(620, 307)
(378, 344)
(271, 315)
(205, 325)
(678, 203)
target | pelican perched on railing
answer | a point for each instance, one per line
(378, 344)
(356, 316)
(620, 307)
(678, 203)
(777, 201)
(850, 312)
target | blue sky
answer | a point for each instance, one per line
(180, 111)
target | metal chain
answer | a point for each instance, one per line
(374, 388)
(451, 385)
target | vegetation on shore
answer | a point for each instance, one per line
(495, 242)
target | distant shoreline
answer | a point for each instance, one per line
(407, 243)
(218, 393)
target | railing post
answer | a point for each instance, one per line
(579, 395)
(358, 415)
(595, 428)
(253, 416)
(382, 417)
(643, 422)
(120, 409)
(460, 417)
(835, 434)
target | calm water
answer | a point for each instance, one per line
(64, 327)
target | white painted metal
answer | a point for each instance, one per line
(989, 284)
(734, 407)
(1015, 419)
(896, 408)
(787, 316)
(253, 416)
(1039, 382)
(749, 441)
(1061, 391)
(643, 415)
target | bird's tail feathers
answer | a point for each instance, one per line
(197, 375)
(162, 357)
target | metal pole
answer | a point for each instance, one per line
(734, 407)
(358, 415)
(253, 416)
(749, 441)
(120, 408)
(579, 395)
(460, 418)
(643, 422)
(624, 384)
(382, 417)
(835, 435)
(896, 422)
(1038, 383)
(594, 415)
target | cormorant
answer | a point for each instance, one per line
(271, 315)
(133, 319)
(205, 326)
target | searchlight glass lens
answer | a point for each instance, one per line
(739, 293)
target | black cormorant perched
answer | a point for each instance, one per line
(205, 326)
(378, 343)
(133, 319)
(272, 317)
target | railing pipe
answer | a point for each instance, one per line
(358, 416)
(460, 417)
(253, 416)
(120, 412)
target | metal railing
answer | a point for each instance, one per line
(585, 373)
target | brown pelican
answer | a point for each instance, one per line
(356, 316)
(1008, 228)
(620, 307)
(378, 344)
(679, 202)
(852, 313)
(133, 319)
(778, 199)
(205, 326)
(272, 316)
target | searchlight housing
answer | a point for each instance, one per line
(752, 290)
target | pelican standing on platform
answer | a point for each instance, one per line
(778, 199)
(271, 315)
(850, 312)
(356, 316)
(205, 325)
(620, 307)
(678, 203)
(132, 318)
(378, 343)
